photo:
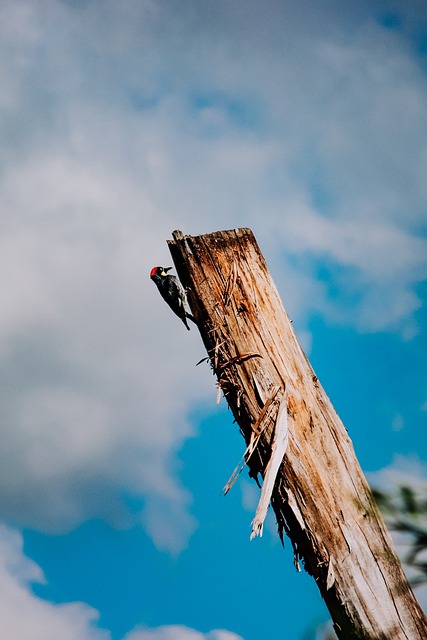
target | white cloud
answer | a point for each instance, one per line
(371, 265)
(86, 349)
(403, 471)
(23, 615)
(179, 632)
(125, 123)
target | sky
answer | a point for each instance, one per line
(120, 122)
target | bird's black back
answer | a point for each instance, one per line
(173, 293)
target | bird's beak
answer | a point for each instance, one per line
(165, 271)
(168, 268)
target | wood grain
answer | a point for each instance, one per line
(321, 499)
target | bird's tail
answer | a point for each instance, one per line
(190, 317)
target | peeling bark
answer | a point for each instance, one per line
(320, 496)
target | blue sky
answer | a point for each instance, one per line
(121, 122)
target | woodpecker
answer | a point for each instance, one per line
(172, 292)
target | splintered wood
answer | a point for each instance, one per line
(278, 450)
(295, 440)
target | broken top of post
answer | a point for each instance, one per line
(320, 496)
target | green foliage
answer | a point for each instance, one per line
(405, 511)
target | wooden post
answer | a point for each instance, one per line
(320, 497)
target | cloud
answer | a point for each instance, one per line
(86, 348)
(403, 471)
(178, 632)
(122, 124)
(86, 371)
(24, 615)
(368, 267)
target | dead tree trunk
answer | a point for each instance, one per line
(320, 498)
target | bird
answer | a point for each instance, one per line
(172, 292)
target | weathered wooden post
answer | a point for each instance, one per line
(320, 496)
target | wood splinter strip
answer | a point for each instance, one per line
(258, 429)
(229, 285)
(243, 462)
(330, 578)
(278, 450)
